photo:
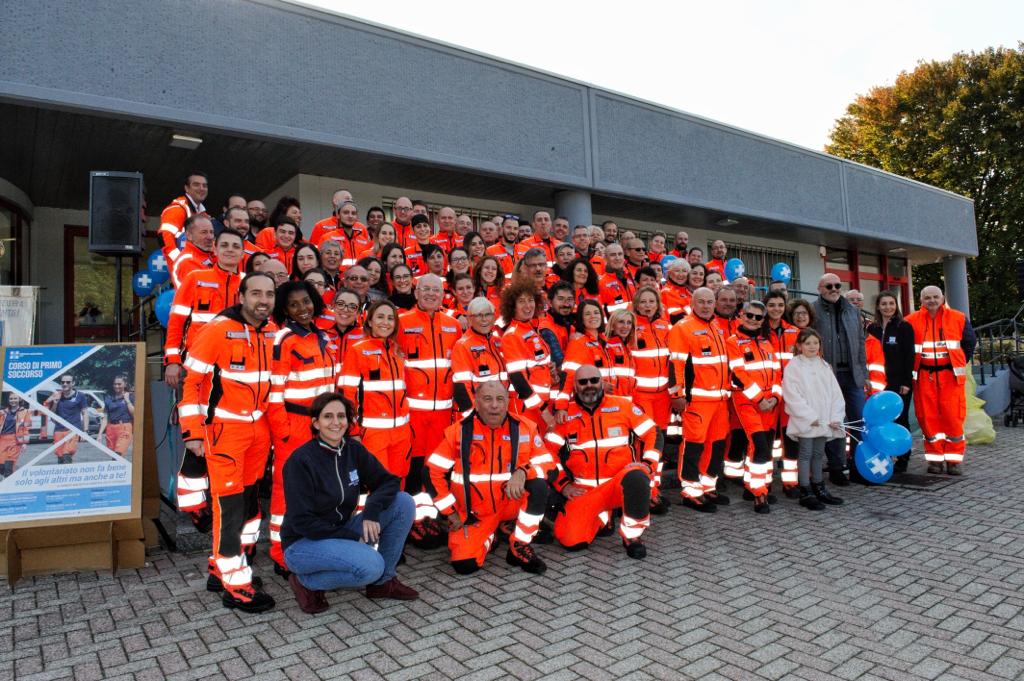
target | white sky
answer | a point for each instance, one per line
(786, 69)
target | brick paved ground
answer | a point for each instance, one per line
(898, 584)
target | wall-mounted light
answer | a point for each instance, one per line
(189, 142)
(727, 222)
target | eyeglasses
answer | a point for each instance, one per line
(588, 381)
(402, 209)
(755, 317)
(460, 259)
(482, 315)
(833, 287)
(639, 249)
(351, 307)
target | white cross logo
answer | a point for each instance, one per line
(878, 465)
(741, 270)
(144, 280)
(785, 272)
(159, 263)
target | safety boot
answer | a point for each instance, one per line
(635, 548)
(717, 499)
(935, 468)
(524, 556)
(953, 469)
(808, 500)
(761, 504)
(824, 496)
(248, 599)
(701, 504)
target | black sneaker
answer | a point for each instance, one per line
(761, 505)
(749, 496)
(247, 600)
(524, 556)
(838, 479)
(635, 548)
(701, 504)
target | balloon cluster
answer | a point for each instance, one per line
(156, 274)
(883, 440)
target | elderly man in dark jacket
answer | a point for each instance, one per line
(842, 335)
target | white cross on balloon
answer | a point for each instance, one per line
(785, 271)
(145, 281)
(878, 465)
(159, 263)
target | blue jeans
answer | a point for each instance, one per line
(853, 395)
(326, 564)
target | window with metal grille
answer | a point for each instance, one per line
(758, 262)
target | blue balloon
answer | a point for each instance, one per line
(162, 306)
(158, 268)
(873, 466)
(890, 439)
(666, 259)
(734, 268)
(883, 407)
(143, 283)
(782, 272)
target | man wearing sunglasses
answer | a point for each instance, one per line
(600, 471)
(842, 346)
(72, 407)
(636, 256)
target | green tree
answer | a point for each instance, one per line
(959, 125)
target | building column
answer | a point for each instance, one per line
(954, 271)
(575, 205)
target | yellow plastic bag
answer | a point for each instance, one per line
(978, 425)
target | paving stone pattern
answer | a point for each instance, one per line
(897, 584)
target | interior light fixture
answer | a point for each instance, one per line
(189, 142)
(727, 222)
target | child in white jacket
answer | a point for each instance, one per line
(816, 410)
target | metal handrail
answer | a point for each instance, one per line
(999, 342)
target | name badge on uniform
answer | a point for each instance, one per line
(236, 367)
(353, 477)
(891, 341)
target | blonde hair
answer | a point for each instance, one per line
(616, 316)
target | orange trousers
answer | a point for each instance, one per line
(236, 456)
(10, 448)
(656, 405)
(70, 446)
(941, 407)
(587, 513)
(392, 447)
(705, 428)
(118, 436)
(475, 541)
(298, 435)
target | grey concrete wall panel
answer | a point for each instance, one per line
(897, 209)
(687, 160)
(293, 73)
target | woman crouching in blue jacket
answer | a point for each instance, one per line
(327, 543)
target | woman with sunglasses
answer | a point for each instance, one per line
(302, 368)
(589, 346)
(373, 377)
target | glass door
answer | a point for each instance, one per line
(89, 281)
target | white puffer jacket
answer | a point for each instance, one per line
(811, 393)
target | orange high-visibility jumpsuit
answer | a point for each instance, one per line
(876, 364)
(427, 340)
(13, 437)
(476, 359)
(172, 224)
(623, 367)
(700, 366)
(616, 292)
(202, 296)
(587, 348)
(595, 453)
(940, 372)
(783, 339)
(351, 246)
(528, 363)
(225, 398)
(190, 259)
(373, 379)
(676, 301)
(303, 367)
(477, 493)
(757, 375)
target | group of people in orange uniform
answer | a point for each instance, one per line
(509, 379)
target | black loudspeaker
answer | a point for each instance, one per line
(115, 213)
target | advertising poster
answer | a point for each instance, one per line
(69, 433)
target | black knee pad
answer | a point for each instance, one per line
(537, 501)
(577, 547)
(467, 566)
(635, 482)
(232, 520)
(692, 451)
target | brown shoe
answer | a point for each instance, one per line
(935, 469)
(953, 469)
(310, 602)
(392, 589)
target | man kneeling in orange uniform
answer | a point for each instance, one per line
(491, 467)
(594, 441)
